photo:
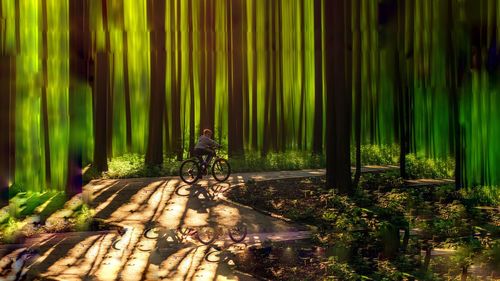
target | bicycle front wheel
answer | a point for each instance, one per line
(206, 235)
(189, 171)
(221, 170)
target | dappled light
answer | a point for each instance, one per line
(249, 140)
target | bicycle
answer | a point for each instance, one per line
(191, 170)
(207, 234)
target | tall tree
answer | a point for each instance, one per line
(338, 163)
(156, 14)
(101, 97)
(202, 27)
(45, 113)
(356, 61)
(318, 78)
(235, 114)
(254, 133)
(175, 59)
(176, 86)
(266, 140)
(7, 112)
(126, 84)
(455, 97)
(79, 64)
(301, 141)
(191, 54)
(404, 76)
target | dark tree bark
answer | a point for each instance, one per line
(45, 112)
(339, 101)
(203, 65)
(235, 114)
(400, 90)
(176, 139)
(245, 135)
(404, 74)
(156, 13)
(210, 76)
(356, 50)
(100, 91)
(266, 141)
(191, 76)
(7, 88)
(79, 73)
(318, 80)
(273, 120)
(176, 97)
(301, 128)
(281, 141)
(254, 133)
(455, 97)
(7, 117)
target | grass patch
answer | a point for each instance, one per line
(133, 166)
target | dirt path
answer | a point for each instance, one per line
(161, 204)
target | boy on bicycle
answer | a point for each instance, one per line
(205, 146)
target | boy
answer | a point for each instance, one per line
(205, 146)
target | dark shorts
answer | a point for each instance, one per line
(203, 151)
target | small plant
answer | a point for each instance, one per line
(83, 218)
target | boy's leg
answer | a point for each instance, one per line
(199, 155)
(210, 155)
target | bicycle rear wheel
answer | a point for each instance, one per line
(189, 171)
(221, 170)
(238, 233)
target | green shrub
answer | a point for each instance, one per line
(418, 167)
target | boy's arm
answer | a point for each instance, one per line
(214, 143)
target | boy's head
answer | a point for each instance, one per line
(207, 133)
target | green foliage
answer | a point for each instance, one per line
(418, 167)
(338, 270)
(83, 218)
(372, 154)
(274, 161)
(492, 255)
(10, 230)
(132, 165)
(481, 195)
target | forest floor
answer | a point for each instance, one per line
(364, 235)
(278, 208)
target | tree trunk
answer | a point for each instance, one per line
(79, 37)
(211, 54)
(156, 12)
(45, 112)
(318, 78)
(455, 97)
(235, 114)
(126, 85)
(175, 141)
(7, 114)
(203, 65)
(356, 50)
(301, 125)
(100, 92)
(266, 140)
(254, 134)
(339, 101)
(191, 76)
(273, 108)
(281, 141)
